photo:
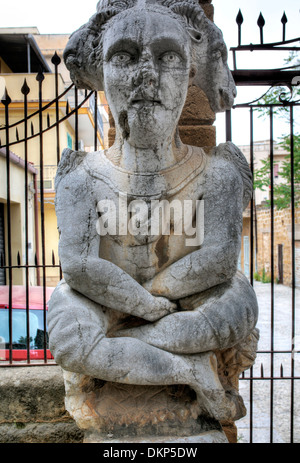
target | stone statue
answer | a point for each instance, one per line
(140, 305)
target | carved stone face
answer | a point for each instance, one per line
(146, 75)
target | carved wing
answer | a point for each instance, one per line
(234, 154)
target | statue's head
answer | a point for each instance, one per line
(144, 54)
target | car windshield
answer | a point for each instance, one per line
(19, 331)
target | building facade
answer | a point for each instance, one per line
(283, 248)
(25, 52)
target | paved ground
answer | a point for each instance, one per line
(281, 408)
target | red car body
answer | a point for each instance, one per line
(19, 323)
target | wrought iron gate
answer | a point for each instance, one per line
(34, 125)
(22, 132)
(275, 366)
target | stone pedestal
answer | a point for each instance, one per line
(120, 413)
(173, 76)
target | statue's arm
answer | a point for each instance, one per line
(83, 270)
(216, 261)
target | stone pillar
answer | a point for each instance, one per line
(196, 122)
(141, 410)
(120, 413)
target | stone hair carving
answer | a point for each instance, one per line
(84, 53)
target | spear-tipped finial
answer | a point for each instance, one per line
(261, 23)
(284, 20)
(239, 18)
(40, 76)
(6, 100)
(239, 21)
(25, 89)
(55, 59)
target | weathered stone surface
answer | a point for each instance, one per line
(41, 433)
(208, 437)
(32, 408)
(147, 305)
(204, 135)
(230, 431)
(129, 411)
(209, 11)
(32, 394)
(196, 110)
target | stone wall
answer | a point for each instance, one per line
(282, 235)
(32, 407)
(32, 398)
(196, 122)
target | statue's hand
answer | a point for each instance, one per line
(155, 286)
(161, 307)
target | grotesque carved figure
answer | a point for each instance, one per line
(145, 308)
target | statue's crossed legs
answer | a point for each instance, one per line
(177, 349)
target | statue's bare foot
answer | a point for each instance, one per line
(212, 398)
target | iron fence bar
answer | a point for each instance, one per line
(47, 106)
(252, 199)
(25, 91)
(293, 269)
(284, 21)
(272, 274)
(20, 364)
(53, 125)
(56, 61)
(40, 78)
(251, 267)
(251, 406)
(270, 105)
(258, 46)
(277, 352)
(261, 23)
(36, 232)
(239, 21)
(76, 120)
(96, 122)
(269, 378)
(30, 266)
(234, 61)
(6, 102)
(263, 77)
(228, 125)
(264, 47)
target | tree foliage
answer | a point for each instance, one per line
(282, 190)
(280, 94)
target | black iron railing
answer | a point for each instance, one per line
(9, 263)
(21, 134)
(288, 77)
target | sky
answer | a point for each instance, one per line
(65, 16)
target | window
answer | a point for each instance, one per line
(70, 141)
(19, 341)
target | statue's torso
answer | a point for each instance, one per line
(138, 247)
